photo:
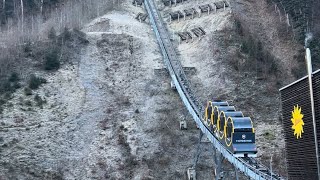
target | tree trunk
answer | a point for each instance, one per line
(22, 17)
(4, 10)
(41, 6)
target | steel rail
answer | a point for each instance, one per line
(249, 166)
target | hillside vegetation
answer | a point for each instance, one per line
(38, 36)
(305, 22)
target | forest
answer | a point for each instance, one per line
(41, 35)
(27, 23)
(26, 19)
(9, 7)
(30, 20)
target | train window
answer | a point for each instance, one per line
(209, 111)
(229, 130)
(230, 110)
(215, 117)
(243, 130)
(238, 115)
(222, 121)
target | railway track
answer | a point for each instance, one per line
(248, 166)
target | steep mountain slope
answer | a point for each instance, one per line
(110, 113)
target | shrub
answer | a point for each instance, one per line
(16, 85)
(273, 69)
(35, 82)
(103, 124)
(52, 34)
(10, 84)
(27, 91)
(14, 77)
(245, 47)
(81, 36)
(248, 46)
(122, 140)
(52, 60)
(298, 72)
(269, 135)
(39, 101)
(28, 103)
(2, 102)
(131, 161)
(66, 34)
(6, 87)
(238, 26)
(7, 95)
(27, 47)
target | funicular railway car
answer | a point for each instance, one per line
(231, 128)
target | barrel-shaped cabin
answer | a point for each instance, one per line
(240, 136)
(216, 118)
(231, 128)
(209, 110)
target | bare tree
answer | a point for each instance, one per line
(41, 6)
(33, 27)
(22, 17)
